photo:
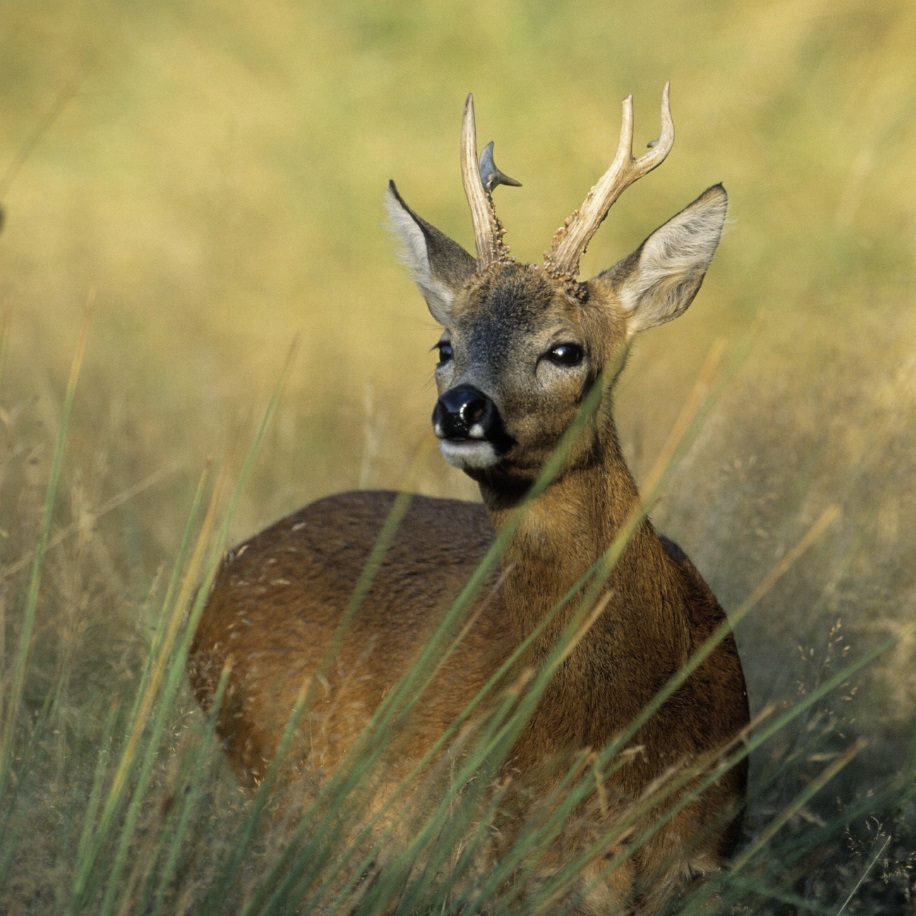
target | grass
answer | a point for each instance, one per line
(214, 174)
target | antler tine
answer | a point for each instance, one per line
(491, 175)
(487, 229)
(573, 236)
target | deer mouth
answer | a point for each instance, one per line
(470, 454)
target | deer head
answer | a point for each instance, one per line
(523, 344)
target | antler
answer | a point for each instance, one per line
(573, 236)
(491, 176)
(488, 231)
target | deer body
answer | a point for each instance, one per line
(523, 349)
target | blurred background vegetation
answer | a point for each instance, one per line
(210, 175)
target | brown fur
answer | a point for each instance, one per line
(279, 598)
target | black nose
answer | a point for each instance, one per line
(465, 413)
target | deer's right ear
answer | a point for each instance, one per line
(439, 266)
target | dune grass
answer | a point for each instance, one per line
(211, 176)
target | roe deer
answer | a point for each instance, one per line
(522, 349)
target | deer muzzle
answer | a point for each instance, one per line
(468, 424)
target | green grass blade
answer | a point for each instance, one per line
(11, 704)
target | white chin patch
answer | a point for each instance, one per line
(469, 453)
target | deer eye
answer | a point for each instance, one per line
(445, 351)
(566, 354)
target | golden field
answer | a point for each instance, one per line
(206, 180)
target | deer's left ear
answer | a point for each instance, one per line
(660, 279)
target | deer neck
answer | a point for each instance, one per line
(563, 531)
(563, 534)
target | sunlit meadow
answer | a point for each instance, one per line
(192, 216)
